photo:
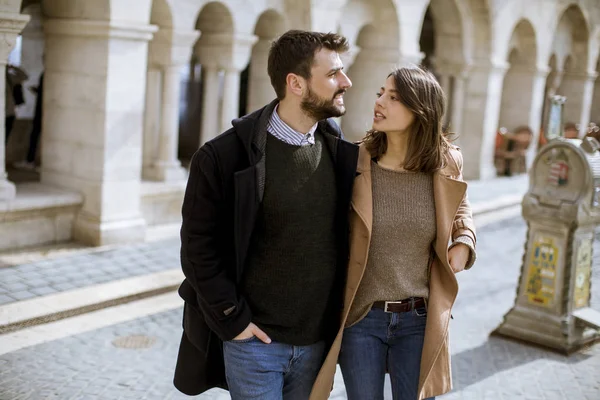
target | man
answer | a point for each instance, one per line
(265, 233)
(14, 78)
(36, 127)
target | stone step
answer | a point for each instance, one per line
(40, 310)
(38, 215)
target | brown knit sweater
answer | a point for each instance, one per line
(404, 227)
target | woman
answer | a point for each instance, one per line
(409, 202)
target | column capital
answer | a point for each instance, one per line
(490, 65)
(349, 56)
(225, 49)
(99, 29)
(171, 47)
(11, 26)
(457, 70)
(381, 55)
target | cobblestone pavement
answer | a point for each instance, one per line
(88, 366)
(77, 266)
(87, 268)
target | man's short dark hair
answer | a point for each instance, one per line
(294, 53)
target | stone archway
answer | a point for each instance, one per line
(475, 103)
(571, 48)
(595, 111)
(270, 24)
(29, 50)
(373, 32)
(445, 53)
(223, 53)
(516, 103)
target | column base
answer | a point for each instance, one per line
(8, 190)
(165, 172)
(545, 331)
(90, 231)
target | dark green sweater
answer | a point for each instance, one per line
(292, 263)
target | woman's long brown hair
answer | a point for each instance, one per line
(420, 92)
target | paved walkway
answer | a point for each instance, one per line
(89, 366)
(87, 268)
(77, 267)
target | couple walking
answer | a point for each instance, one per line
(302, 250)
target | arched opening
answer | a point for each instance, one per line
(158, 81)
(259, 90)
(595, 113)
(22, 148)
(517, 101)
(571, 48)
(205, 86)
(372, 30)
(442, 42)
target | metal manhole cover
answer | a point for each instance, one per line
(134, 342)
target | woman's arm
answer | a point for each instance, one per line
(463, 228)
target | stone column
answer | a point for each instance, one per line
(210, 103)
(587, 101)
(230, 52)
(151, 121)
(574, 88)
(231, 98)
(167, 166)
(458, 100)
(260, 91)
(367, 73)
(10, 27)
(32, 50)
(169, 54)
(7, 188)
(93, 121)
(481, 114)
(445, 84)
(537, 107)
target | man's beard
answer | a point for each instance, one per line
(319, 108)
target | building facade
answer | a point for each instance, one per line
(133, 87)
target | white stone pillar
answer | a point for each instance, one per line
(535, 112)
(151, 121)
(458, 100)
(210, 103)
(445, 84)
(169, 53)
(260, 91)
(93, 121)
(481, 114)
(368, 73)
(167, 166)
(32, 51)
(586, 103)
(230, 52)
(7, 188)
(231, 98)
(574, 87)
(10, 26)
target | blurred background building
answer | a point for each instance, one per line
(133, 87)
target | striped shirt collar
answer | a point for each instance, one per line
(286, 134)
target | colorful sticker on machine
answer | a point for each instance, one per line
(583, 272)
(558, 175)
(541, 276)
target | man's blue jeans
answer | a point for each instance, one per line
(275, 371)
(383, 341)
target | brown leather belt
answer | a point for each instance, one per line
(400, 306)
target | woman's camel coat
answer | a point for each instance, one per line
(453, 217)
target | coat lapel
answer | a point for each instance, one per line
(362, 195)
(448, 194)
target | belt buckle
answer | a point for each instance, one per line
(385, 306)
